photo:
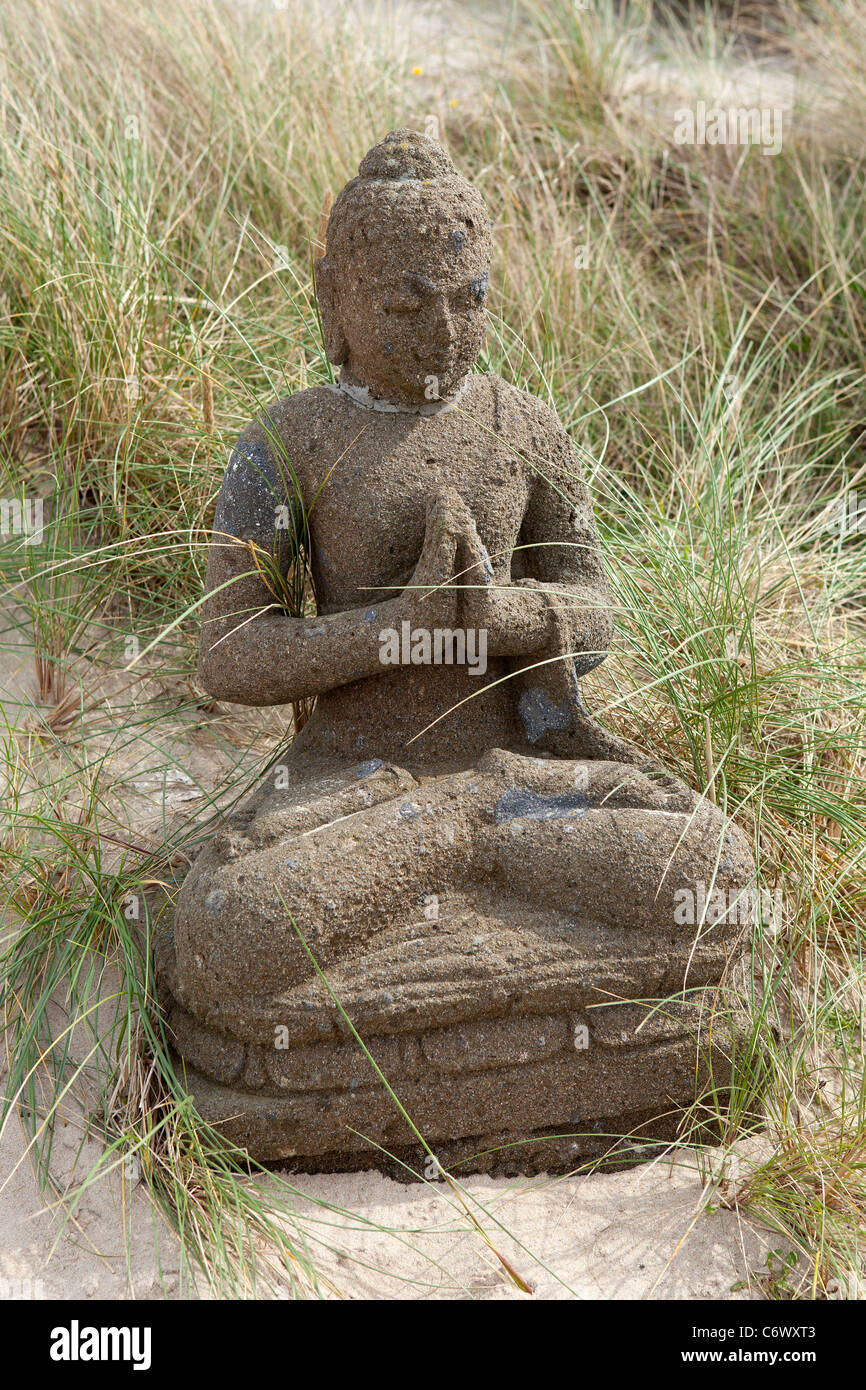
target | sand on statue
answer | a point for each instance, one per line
(455, 862)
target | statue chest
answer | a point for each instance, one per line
(372, 488)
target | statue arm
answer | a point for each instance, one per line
(562, 559)
(252, 651)
(561, 580)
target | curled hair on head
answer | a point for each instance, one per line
(403, 171)
(406, 154)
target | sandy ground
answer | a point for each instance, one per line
(639, 1234)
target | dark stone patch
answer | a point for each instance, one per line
(518, 802)
(540, 714)
(369, 767)
(479, 287)
(250, 495)
(582, 665)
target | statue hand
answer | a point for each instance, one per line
(430, 600)
(514, 616)
(484, 605)
(453, 585)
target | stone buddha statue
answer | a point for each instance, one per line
(455, 863)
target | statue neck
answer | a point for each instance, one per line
(369, 398)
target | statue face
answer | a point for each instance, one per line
(410, 309)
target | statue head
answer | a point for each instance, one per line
(403, 284)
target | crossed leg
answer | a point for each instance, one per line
(357, 854)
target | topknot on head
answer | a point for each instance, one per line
(404, 155)
(405, 183)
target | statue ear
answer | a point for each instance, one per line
(332, 329)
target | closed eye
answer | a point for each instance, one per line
(465, 297)
(408, 304)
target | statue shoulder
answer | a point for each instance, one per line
(533, 424)
(263, 473)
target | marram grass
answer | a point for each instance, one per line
(697, 317)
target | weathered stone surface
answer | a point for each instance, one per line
(495, 1042)
(486, 1074)
(483, 877)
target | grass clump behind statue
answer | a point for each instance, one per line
(486, 900)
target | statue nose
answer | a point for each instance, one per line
(439, 322)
